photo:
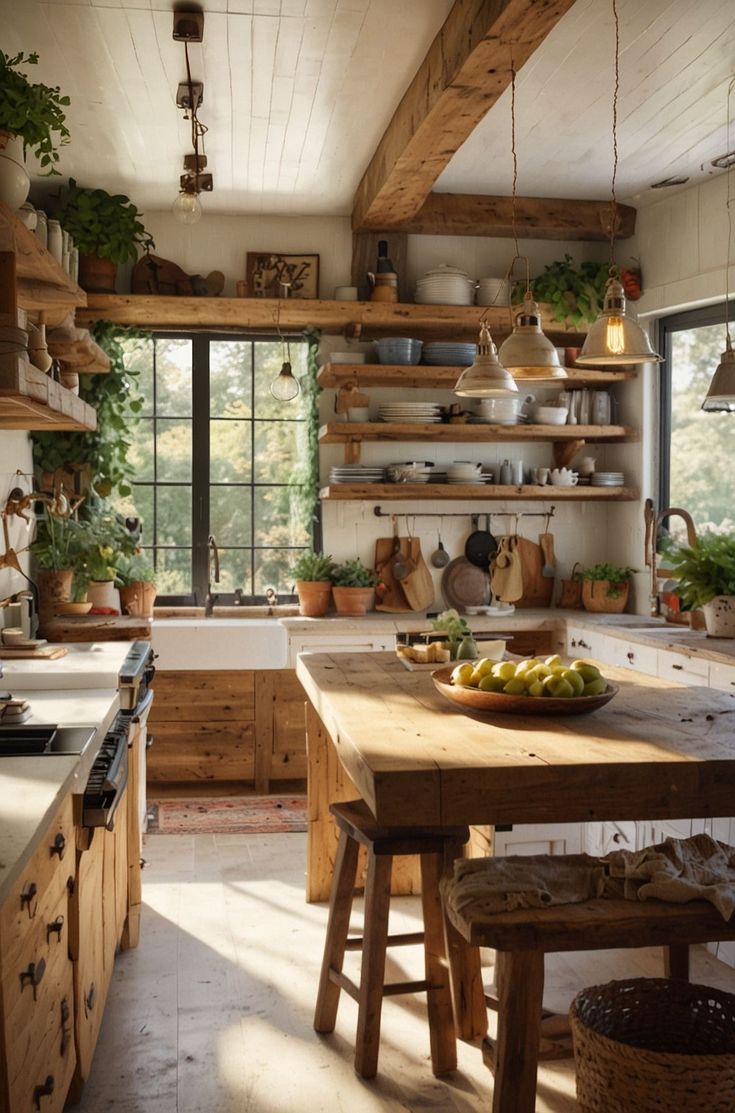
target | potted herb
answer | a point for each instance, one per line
(605, 588)
(353, 587)
(30, 116)
(460, 642)
(57, 551)
(107, 229)
(135, 580)
(313, 575)
(706, 578)
(106, 543)
(574, 293)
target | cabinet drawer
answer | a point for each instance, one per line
(44, 949)
(340, 643)
(642, 658)
(37, 889)
(722, 676)
(686, 670)
(42, 1060)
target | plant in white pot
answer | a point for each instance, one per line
(31, 116)
(353, 588)
(705, 572)
(312, 573)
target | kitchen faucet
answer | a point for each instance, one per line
(652, 524)
(212, 551)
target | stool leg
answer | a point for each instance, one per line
(372, 973)
(470, 1014)
(676, 961)
(520, 980)
(439, 997)
(340, 906)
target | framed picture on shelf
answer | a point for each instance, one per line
(272, 275)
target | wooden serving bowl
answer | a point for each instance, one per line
(472, 699)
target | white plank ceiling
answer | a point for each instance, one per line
(297, 94)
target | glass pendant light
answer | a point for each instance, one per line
(285, 387)
(487, 377)
(187, 208)
(720, 397)
(615, 337)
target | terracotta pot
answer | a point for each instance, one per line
(138, 598)
(103, 593)
(595, 596)
(719, 616)
(97, 276)
(53, 587)
(353, 600)
(14, 180)
(314, 597)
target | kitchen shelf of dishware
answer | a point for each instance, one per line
(426, 377)
(340, 432)
(31, 399)
(371, 492)
(42, 284)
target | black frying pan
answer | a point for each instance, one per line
(480, 545)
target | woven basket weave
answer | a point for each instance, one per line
(650, 1045)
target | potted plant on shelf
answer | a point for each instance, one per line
(30, 116)
(353, 587)
(573, 292)
(107, 229)
(57, 552)
(605, 588)
(313, 575)
(135, 580)
(705, 573)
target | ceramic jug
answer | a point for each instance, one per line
(563, 477)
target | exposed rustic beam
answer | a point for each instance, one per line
(537, 218)
(467, 68)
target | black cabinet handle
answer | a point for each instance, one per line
(677, 667)
(28, 897)
(43, 1091)
(58, 846)
(90, 998)
(630, 656)
(55, 927)
(583, 644)
(65, 1027)
(33, 975)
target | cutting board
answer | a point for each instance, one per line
(537, 588)
(45, 653)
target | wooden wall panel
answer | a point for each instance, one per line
(199, 696)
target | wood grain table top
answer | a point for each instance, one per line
(659, 750)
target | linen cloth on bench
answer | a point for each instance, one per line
(675, 871)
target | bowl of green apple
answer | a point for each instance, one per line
(531, 686)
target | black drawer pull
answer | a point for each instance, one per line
(65, 1028)
(583, 644)
(58, 846)
(43, 1091)
(55, 927)
(33, 975)
(90, 999)
(678, 667)
(28, 897)
(630, 656)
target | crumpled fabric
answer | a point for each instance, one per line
(492, 885)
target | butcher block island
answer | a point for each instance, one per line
(658, 750)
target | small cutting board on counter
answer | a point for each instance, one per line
(44, 652)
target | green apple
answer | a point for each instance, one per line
(462, 675)
(536, 689)
(515, 687)
(492, 683)
(525, 666)
(558, 687)
(573, 677)
(504, 669)
(483, 667)
(586, 669)
(595, 687)
(553, 661)
(540, 671)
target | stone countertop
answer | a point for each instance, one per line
(33, 788)
(85, 665)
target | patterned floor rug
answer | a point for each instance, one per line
(227, 815)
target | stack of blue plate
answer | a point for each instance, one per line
(448, 353)
(399, 349)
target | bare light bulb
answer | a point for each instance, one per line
(285, 387)
(187, 208)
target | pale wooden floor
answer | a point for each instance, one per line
(212, 1013)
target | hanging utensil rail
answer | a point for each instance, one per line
(380, 513)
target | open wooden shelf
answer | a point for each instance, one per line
(364, 318)
(29, 399)
(341, 432)
(374, 492)
(41, 282)
(443, 378)
(76, 348)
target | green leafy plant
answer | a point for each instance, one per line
(116, 399)
(33, 112)
(452, 624)
(705, 569)
(132, 570)
(58, 544)
(106, 540)
(616, 576)
(102, 224)
(575, 292)
(313, 567)
(353, 573)
(305, 475)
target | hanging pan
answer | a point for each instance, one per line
(480, 545)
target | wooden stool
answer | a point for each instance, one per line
(523, 937)
(435, 846)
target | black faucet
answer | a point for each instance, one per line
(212, 552)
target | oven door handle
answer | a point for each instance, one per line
(119, 790)
(141, 709)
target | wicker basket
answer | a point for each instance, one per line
(650, 1045)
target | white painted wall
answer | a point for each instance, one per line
(15, 453)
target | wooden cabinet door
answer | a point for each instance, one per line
(87, 944)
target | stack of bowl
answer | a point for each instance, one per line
(447, 353)
(399, 350)
(492, 291)
(445, 285)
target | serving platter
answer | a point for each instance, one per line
(498, 703)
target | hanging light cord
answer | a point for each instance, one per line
(616, 90)
(198, 129)
(730, 88)
(514, 190)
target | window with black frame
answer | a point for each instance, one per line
(696, 449)
(214, 453)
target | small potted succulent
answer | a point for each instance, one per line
(107, 229)
(135, 580)
(313, 575)
(353, 587)
(605, 588)
(30, 116)
(705, 573)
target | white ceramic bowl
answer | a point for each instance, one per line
(346, 357)
(550, 415)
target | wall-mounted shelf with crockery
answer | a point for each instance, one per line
(370, 492)
(426, 377)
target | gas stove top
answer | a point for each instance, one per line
(44, 741)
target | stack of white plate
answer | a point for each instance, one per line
(356, 473)
(492, 291)
(412, 413)
(464, 473)
(447, 353)
(445, 285)
(607, 479)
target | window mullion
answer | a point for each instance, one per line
(200, 464)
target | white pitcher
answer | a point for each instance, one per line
(563, 477)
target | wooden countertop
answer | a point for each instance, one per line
(658, 750)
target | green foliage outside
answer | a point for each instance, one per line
(35, 112)
(704, 570)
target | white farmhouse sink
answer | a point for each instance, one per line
(219, 643)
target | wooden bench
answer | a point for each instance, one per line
(522, 938)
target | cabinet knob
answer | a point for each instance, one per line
(33, 975)
(583, 644)
(677, 667)
(43, 1091)
(58, 846)
(55, 927)
(90, 998)
(28, 898)
(630, 656)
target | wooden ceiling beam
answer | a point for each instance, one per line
(467, 68)
(537, 218)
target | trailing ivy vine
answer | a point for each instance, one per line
(116, 398)
(306, 473)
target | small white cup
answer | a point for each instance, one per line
(11, 635)
(345, 293)
(358, 413)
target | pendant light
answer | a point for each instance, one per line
(615, 338)
(486, 378)
(526, 353)
(720, 397)
(285, 387)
